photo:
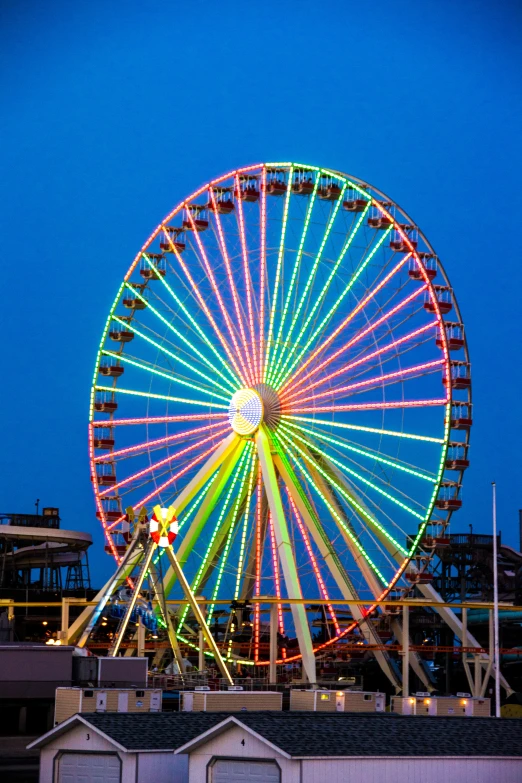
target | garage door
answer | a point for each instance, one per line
(239, 771)
(89, 768)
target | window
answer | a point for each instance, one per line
(88, 694)
(368, 697)
(325, 697)
(140, 694)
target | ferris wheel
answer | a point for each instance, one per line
(286, 366)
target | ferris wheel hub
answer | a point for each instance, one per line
(249, 408)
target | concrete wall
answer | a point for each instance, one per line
(229, 744)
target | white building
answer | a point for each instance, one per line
(280, 747)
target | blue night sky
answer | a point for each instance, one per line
(114, 111)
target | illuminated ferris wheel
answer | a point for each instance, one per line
(285, 364)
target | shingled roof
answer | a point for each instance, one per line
(326, 734)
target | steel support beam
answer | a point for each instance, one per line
(285, 552)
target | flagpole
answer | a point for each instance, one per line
(496, 655)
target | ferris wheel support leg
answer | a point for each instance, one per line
(198, 614)
(451, 619)
(286, 556)
(84, 624)
(157, 586)
(225, 459)
(371, 579)
(144, 567)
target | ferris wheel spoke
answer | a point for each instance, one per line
(224, 311)
(167, 461)
(206, 309)
(224, 460)
(172, 377)
(341, 469)
(358, 337)
(220, 532)
(160, 419)
(248, 284)
(371, 406)
(228, 544)
(313, 271)
(135, 393)
(380, 380)
(313, 560)
(329, 315)
(191, 320)
(275, 569)
(233, 289)
(364, 359)
(262, 274)
(200, 356)
(295, 270)
(347, 320)
(362, 480)
(373, 455)
(322, 294)
(346, 495)
(360, 428)
(244, 530)
(156, 443)
(277, 281)
(340, 520)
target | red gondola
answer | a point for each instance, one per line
(120, 549)
(110, 516)
(248, 189)
(443, 295)
(121, 335)
(329, 192)
(102, 406)
(106, 480)
(222, 203)
(103, 443)
(380, 222)
(304, 187)
(174, 241)
(276, 187)
(112, 370)
(132, 303)
(355, 204)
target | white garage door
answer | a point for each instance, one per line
(239, 771)
(88, 768)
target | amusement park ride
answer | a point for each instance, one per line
(282, 387)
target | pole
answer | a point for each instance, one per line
(495, 605)
(272, 669)
(405, 652)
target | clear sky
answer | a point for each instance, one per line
(114, 111)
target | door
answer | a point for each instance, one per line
(155, 702)
(89, 768)
(101, 701)
(123, 701)
(245, 771)
(380, 702)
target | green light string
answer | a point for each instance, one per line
(322, 294)
(245, 528)
(170, 377)
(334, 307)
(224, 556)
(236, 382)
(295, 270)
(199, 575)
(361, 478)
(160, 397)
(187, 342)
(331, 509)
(313, 271)
(359, 428)
(431, 504)
(363, 452)
(278, 274)
(166, 351)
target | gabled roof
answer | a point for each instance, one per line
(310, 734)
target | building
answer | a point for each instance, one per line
(280, 747)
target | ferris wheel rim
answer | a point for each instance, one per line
(383, 210)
